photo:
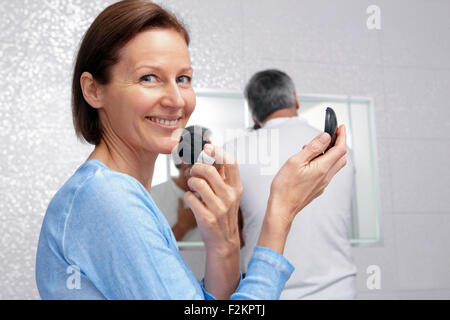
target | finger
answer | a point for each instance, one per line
(316, 147)
(336, 168)
(199, 185)
(211, 175)
(329, 159)
(341, 136)
(227, 163)
(201, 213)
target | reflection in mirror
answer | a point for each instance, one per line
(169, 195)
(227, 116)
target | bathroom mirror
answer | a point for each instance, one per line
(226, 115)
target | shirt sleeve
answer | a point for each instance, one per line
(267, 273)
(119, 243)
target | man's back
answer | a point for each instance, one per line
(317, 244)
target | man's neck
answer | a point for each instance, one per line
(180, 183)
(282, 113)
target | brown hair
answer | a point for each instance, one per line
(98, 52)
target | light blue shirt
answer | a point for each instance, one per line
(103, 237)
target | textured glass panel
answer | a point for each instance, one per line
(39, 151)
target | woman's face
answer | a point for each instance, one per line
(149, 95)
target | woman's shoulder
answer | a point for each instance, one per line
(97, 194)
(107, 202)
(94, 194)
(107, 196)
(94, 177)
(103, 185)
(94, 185)
(108, 180)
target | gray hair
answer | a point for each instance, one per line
(268, 91)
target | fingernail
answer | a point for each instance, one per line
(205, 158)
(208, 148)
(324, 137)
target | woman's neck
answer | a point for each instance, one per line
(138, 166)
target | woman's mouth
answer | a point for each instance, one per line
(164, 123)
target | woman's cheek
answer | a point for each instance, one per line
(191, 103)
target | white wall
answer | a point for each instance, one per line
(324, 45)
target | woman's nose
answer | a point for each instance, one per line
(173, 97)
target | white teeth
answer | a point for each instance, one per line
(164, 122)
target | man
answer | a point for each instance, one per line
(318, 244)
(169, 195)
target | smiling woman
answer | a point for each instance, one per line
(149, 95)
(131, 91)
(99, 51)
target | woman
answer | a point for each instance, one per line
(102, 235)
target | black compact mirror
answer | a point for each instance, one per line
(331, 126)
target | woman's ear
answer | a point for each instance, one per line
(92, 91)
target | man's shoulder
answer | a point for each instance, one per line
(162, 185)
(230, 145)
(160, 192)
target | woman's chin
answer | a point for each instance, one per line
(167, 148)
(165, 152)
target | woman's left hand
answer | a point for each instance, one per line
(216, 213)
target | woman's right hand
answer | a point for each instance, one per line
(220, 190)
(216, 213)
(299, 181)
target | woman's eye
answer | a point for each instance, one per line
(148, 78)
(184, 79)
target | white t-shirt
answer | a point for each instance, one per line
(317, 244)
(166, 196)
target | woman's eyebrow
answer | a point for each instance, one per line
(147, 66)
(189, 69)
(186, 69)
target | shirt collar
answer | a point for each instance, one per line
(175, 187)
(277, 121)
